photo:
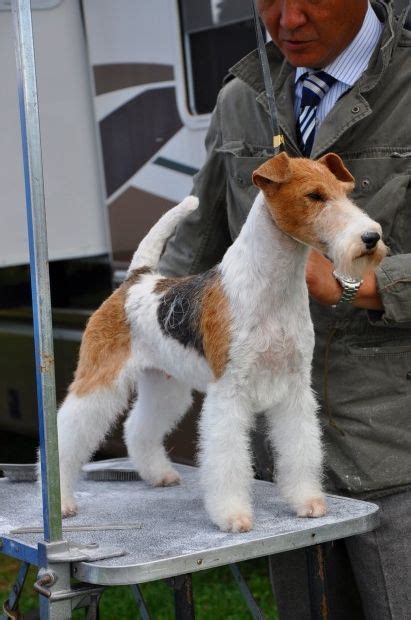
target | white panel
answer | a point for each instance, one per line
(186, 147)
(5, 5)
(73, 191)
(129, 31)
(163, 182)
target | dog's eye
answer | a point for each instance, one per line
(316, 197)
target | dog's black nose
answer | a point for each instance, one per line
(370, 239)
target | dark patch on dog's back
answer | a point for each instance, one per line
(165, 284)
(179, 309)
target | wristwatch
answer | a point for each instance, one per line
(349, 285)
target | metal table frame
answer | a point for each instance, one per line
(129, 533)
(58, 560)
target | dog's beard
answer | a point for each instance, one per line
(355, 261)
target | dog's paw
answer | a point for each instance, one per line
(168, 479)
(241, 522)
(314, 507)
(68, 508)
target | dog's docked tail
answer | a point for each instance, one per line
(149, 251)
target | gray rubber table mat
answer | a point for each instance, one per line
(167, 532)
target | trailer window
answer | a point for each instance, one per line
(216, 34)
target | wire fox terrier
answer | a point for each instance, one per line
(240, 332)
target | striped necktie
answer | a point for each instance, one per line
(315, 86)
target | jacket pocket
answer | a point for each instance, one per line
(238, 148)
(240, 161)
(381, 368)
(384, 349)
(369, 396)
(243, 158)
(382, 189)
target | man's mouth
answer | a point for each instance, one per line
(292, 44)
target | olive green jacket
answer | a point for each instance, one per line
(362, 361)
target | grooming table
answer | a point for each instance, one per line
(165, 532)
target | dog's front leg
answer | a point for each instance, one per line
(225, 459)
(296, 439)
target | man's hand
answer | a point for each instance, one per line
(325, 289)
(322, 285)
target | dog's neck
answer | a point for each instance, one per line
(264, 264)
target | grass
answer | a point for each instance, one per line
(216, 594)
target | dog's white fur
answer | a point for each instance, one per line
(262, 276)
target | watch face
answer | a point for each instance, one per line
(349, 280)
(346, 280)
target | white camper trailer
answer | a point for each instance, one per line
(126, 88)
(125, 93)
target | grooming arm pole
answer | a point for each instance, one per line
(40, 286)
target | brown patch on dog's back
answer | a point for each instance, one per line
(215, 326)
(135, 276)
(106, 343)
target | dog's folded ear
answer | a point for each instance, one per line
(335, 165)
(275, 170)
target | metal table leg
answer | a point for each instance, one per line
(93, 610)
(10, 607)
(254, 609)
(141, 604)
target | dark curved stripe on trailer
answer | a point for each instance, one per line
(116, 76)
(179, 310)
(176, 166)
(131, 216)
(133, 133)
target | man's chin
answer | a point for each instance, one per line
(302, 55)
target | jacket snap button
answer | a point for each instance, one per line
(408, 376)
(365, 183)
(355, 109)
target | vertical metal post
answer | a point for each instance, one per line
(317, 582)
(40, 287)
(183, 597)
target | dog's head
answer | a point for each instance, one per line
(309, 201)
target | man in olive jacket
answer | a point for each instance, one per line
(362, 361)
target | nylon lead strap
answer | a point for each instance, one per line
(278, 138)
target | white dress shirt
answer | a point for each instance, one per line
(347, 68)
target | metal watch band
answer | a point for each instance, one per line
(348, 295)
(349, 285)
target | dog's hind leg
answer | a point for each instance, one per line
(161, 403)
(83, 421)
(296, 438)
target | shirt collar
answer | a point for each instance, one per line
(353, 61)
